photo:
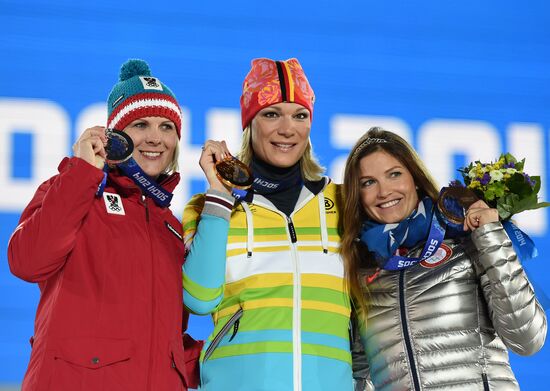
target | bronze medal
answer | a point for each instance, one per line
(454, 202)
(119, 146)
(234, 173)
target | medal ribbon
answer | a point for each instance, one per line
(131, 169)
(526, 251)
(523, 244)
(101, 186)
(435, 238)
(147, 184)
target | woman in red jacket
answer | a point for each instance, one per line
(107, 254)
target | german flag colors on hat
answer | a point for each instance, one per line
(270, 82)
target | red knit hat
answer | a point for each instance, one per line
(270, 82)
(138, 95)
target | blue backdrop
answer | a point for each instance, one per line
(461, 80)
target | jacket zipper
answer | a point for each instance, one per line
(485, 381)
(153, 306)
(297, 307)
(232, 322)
(405, 328)
(296, 311)
(146, 208)
(291, 230)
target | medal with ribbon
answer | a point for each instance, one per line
(119, 151)
(239, 177)
(449, 212)
(236, 175)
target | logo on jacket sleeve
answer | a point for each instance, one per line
(113, 203)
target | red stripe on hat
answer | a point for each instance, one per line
(146, 111)
(149, 111)
(136, 97)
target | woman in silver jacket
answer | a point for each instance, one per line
(444, 322)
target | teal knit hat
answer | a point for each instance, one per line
(138, 95)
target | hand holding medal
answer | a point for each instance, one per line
(118, 151)
(478, 215)
(90, 146)
(118, 148)
(460, 206)
(453, 203)
(223, 171)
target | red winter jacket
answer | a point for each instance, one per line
(110, 315)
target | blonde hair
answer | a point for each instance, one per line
(354, 253)
(173, 166)
(309, 165)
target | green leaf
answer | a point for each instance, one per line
(489, 194)
(536, 188)
(506, 205)
(503, 212)
(495, 190)
(509, 158)
(525, 204)
(517, 184)
(520, 164)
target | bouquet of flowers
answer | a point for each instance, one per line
(503, 185)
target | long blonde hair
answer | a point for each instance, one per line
(355, 254)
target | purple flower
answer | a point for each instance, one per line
(528, 179)
(485, 179)
(456, 183)
(510, 165)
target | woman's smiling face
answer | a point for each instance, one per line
(388, 191)
(280, 133)
(155, 140)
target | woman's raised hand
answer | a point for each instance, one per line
(213, 151)
(90, 146)
(478, 214)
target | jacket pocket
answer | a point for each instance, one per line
(233, 322)
(92, 364)
(185, 354)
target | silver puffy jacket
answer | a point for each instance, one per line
(446, 324)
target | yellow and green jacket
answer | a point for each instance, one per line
(282, 321)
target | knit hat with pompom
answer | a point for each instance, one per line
(138, 95)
